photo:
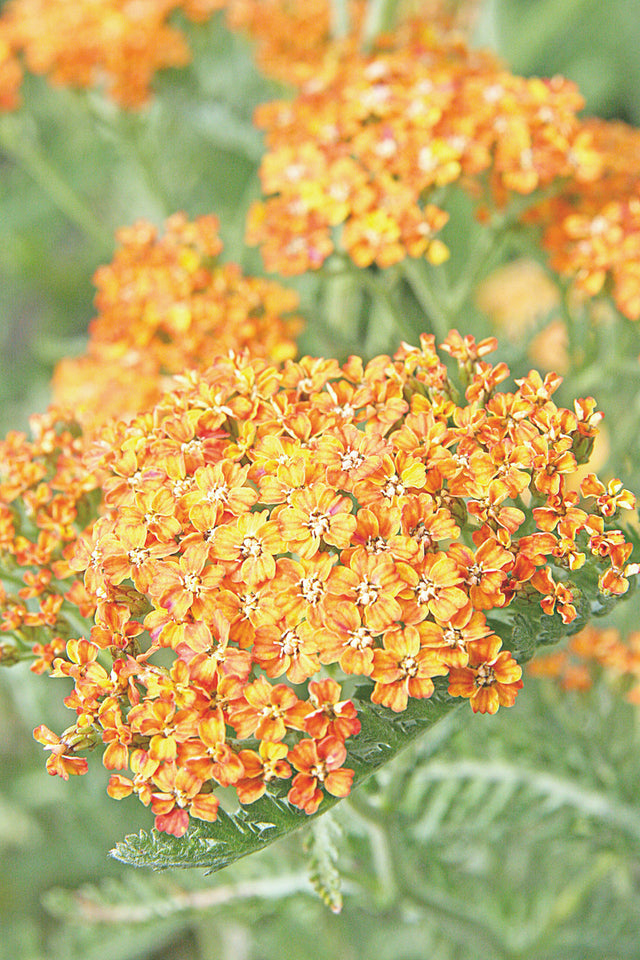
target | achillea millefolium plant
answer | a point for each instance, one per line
(268, 571)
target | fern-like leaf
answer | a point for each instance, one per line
(322, 853)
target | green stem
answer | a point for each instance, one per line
(380, 17)
(269, 888)
(570, 323)
(414, 273)
(432, 900)
(131, 134)
(340, 22)
(538, 26)
(378, 289)
(380, 848)
(480, 261)
(18, 146)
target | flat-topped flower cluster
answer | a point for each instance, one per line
(591, 653)
(358, 160)
(269, 534)
(115, 44)
(166, 303)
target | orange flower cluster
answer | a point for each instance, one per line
(46, 500)
(293, 39)
(354, 162)
(10, 73)
(279, 531)
(592, 230)
(588, 651)
(117, 44)
(167, 305)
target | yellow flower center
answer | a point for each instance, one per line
(137, 556)
(367, 592)
(251, 547)
(394, 487)
(485, 677)
(360, 639)
(289, 643)
(318, 523)
(409, 666)
(425, 591)
(192, 583)
(311, 589)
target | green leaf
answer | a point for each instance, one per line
(523, 627)
(322, 851)
(254, 827)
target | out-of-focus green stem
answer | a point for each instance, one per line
(340, 21)
(415, 274)
(17, 145)
(380, 16)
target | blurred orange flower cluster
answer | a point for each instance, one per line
(293, 39)
(266, 523)
(590, 651)
(115, 44)
(46, 498)
(355, 161)
(592, 230)
(166, 305)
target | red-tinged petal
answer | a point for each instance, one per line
(420, 687)
(63, 766)
(162, 803)
(461, 682)
(506, 669)
(229, 771)
(485, 700)
(338, 782)
(484, 650)
(205, 807)
(391, 695)
(332, 751)
(304, 755)
(305, 794)
(250, 790)
(119, 787)
(163, 749)
(175, 823)
(116, 756)
(212, 729)
(45, 736)
(507, 694)
(271, 728)
(381, 614)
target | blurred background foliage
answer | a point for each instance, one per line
(521, 838)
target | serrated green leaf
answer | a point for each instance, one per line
(382, 736)
(232, 836)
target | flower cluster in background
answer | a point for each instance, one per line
(166, 305)
(591, 651)
(293, 40)
(115, 44)
(283, 530)
(45, 500)
(592, 231)
(356, 160)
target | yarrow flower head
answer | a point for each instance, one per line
(293, 39)
(114, 44)
(167, 305)
(271, 535)
(592, 653)
(355, 161)
(592, 230)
